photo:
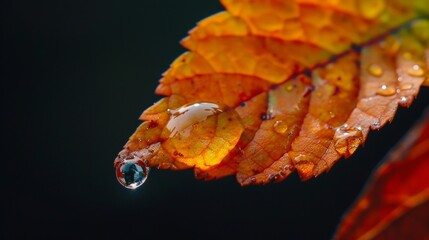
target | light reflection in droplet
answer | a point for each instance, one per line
(182, 119)
(132, 173)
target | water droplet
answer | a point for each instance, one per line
(191, 135)
(184, 118)
(164, 165)
(403, 101)
(391, 45)
(300, 157)
(407, 55)
(416, 71)
(406, 86)
(132, 173)
(375, 70)
(289, 87)
(273, 177)
(386, 90)
(266, 116)
(371, 8)
(280, 126)
(347, 140)
(287, 167)
(376, 124)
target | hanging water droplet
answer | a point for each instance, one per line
(406, 86)
(132, 173)
(183, 119)
(375, 70)
(280, 126)
(416, 71)
(386, 90)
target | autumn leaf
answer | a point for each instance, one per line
(269, 86)
(395, 203)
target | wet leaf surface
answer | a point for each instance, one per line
(297, 85)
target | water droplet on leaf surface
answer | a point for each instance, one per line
(407, 55)
(416, 71)
(183, 119)
(132, 173)
(280, 126)
(375, 70)
(406, 86)
(386, 90)
(346, 140)
(201, 134)
(371, 8)
(289, 87)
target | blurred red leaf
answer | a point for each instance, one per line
(395, 202)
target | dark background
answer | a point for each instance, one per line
(75, 77)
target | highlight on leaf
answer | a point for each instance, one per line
(395, 202)
(271, 86)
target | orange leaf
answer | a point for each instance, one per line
(395, 203)
(271, 86)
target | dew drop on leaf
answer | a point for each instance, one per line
(386, 90)
(266, 116)
(391, 45)
(404, 101)
(289, 87)
(346, 141)
(407, 86)
(419, 28)
(376, 124)
(183, 119)
(253, 179)
(280, 126)
(375, 70)
(201, 134)
(416, 71)
(371, 8)
(132, 173)
(407, 55)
